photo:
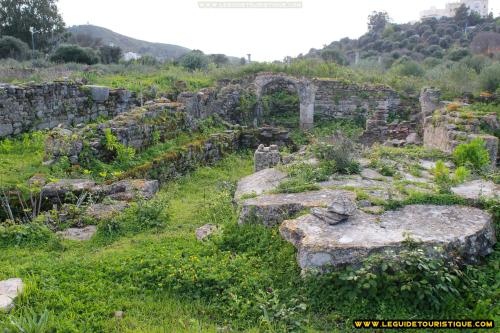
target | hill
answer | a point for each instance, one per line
(128, 44)
(431, 39)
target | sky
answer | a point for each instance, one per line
(267, 33)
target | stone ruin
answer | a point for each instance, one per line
(24, 108)
(266, 157)
(62, 104)
(320, 99)
(29, 107)
(338, 231)
(444, 127)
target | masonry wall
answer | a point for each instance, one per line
(29, 107)
(445, 130)
(139, 128)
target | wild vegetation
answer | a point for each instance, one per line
(144, 270)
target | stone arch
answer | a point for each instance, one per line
(306, 91)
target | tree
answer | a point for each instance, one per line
(11, 47)
(243, 61)
(194, 60)
(489, 79)
(110, 54)
(18, 16)
(465, 17)
(377, 21)
(331, 55)
(219, 59)
(75, 53)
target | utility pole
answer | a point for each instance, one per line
(32, 30)
(249, 58)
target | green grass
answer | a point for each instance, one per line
(161, 80)
(21, 158)
(166, 281)
(84, 283)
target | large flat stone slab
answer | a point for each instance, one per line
(63, 186)
(354, 181)
(477, 189)
(79, 234)
(464, 230)
(130, 189)
(259, 182)
(9, 290)
(105, 211)
(272, 209)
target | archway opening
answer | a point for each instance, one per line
(281, 104)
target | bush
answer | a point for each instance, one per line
(472, 155)
(444, 180)
(408, 68)
(458, 54)
(11, 47)
(75, 53)
(410, 276)
(145, 215)
(489, 79)
(30, 234)
(341, 151)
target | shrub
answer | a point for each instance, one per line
(145, 215)
(489, 79)
(29, 234)
(472, 155)
(410, 276)
(458, 54)
(75, 53)
(409, 68)
(341, 151)
(11, 47)
(444, 180)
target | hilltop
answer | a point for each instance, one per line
(128, 44)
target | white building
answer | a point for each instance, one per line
(131, 56)
(479, 6)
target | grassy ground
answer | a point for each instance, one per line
(21, 158)
(81, 284)
(245, 279)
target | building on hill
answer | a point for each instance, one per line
(479, 6)
(131, 56)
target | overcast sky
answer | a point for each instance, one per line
(268, 34)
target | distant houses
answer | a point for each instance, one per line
(478, 6)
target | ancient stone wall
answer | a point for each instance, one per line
(29, 107)
(446, 128)
(240, 101)
(139, 129)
